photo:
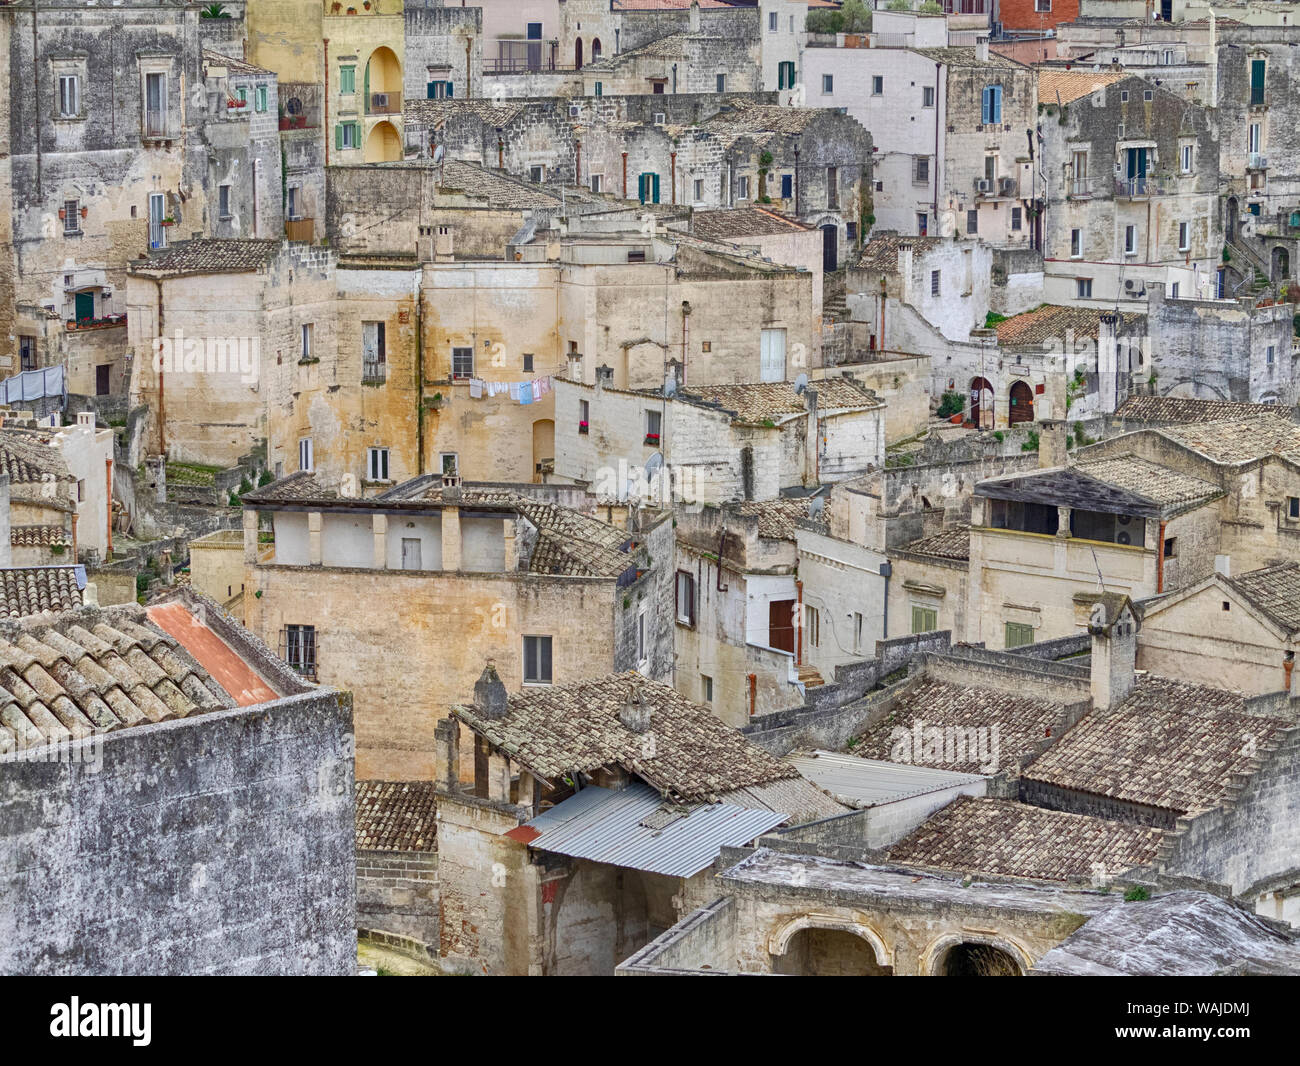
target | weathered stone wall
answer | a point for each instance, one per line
(397, 892)
(211, 866)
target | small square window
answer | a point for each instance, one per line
(828, 84)
(1083, 288)
(528, 362)
(706, 688)
(377, 464)
(1293, 506)
(877, 85)
(1171, 547)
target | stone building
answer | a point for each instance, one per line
(596, 812)
(451, 575)
(177, 696)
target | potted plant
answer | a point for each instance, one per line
(582, 427)
(168, 221)
(652, 440)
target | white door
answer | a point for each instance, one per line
(772, 355)
(411, 553)
(157, 211)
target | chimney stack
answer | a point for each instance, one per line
(982, 49)
(635, 712)
(695, 16)
(490, 693)
(1113, 623)
(1053, 443)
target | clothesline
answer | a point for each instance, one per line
(520, 391)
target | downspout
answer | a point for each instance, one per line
(419, 371)
(162, 407)
(325, 104)
(1160, 561)
(624, 175)
(686, 337)
(469, 67)
(108, 478)
(673, 161)
(1288, 665)
(75, 516)
(798, 624)
(886, 571)
(938, 118)
(577, 162)
(753, 694)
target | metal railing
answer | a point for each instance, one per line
(1138, 187)
(384, 103)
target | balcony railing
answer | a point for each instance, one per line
(373, 372)
(1081, 187)
(299, 229)
(384, 104)
(1136, 187)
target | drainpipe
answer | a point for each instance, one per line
(577, 162)
(108, 478)
(624, 175)
(938, 119)
(501, 152)
(686, 337)
(673, 159)
(798, 624)
(753, 694)
(1288, 664)
(1160, 561)
(162, 407)
(419, 371)
(75, 516)
(886, 571)
(325, 104)
(469, 67)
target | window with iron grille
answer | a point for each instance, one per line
(298, 647)
(462, 363)
(26, 353)
(374, 355)
(71, 216)
(934, 282)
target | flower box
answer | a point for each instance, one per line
(582, 427)
(652, 440)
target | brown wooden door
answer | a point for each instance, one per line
(780, 625)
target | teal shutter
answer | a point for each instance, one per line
(655, 179)
(451, 89)
(338, 137)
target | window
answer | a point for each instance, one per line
(1130, 240)
(537, 660)
(300, 649)
(857, 631)
(1253, 137)
(1123, 96)
(1269, 354)
(991, 171)
(1015, 218)
(640, 638)
(787, 186)
(812, 626)
(1083, 288)
(440, 90)
(771, 21)
(81, 490)
(832, 187)
(584, 416)
(1079, 183)
(1293, 506)
(259, 100)
(1257, 82)
(653, 423)
(155, 105)
(347, 135)
(69, 96)
(921, 170)
(528, 362)
(1186, 158)
(1183, 244)
(785, 74)
(462, 363)
(347, 80)
(1173, 295)
(828, 84)
(991, 111)
(537, 174)
(698, 190)
(294, 205)
(450, 464)
(374, 355)
(307, 330)
(26, 353)
(1043, 7)
(1171, 547)
(647, 188)
(597, 181)
(722, 83)
(157, 211)
(706, 688)
(600, 88)
(972, 221)
(223, 201)
(934, 282)
(877, 85)
(927, 96)
(685, 598)
(1169, 57)
(377, 464)
(1018, 635)
(1076, 244)
(306, 461)
(924, 619)
(1148, 95)
(771, 355)
(742, 188)
(71, 216)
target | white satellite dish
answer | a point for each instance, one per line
(654, 464)
(438, 153)
(800, 383)
(670, 385)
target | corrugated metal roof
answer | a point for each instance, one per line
(871, 782)
(605, 826)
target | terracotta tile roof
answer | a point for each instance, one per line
(436, 113)
(667, 5)
(28, 461)
(396, 816)
(963, 56)
(1275, 590)
(1023, 722)
(205, 255)
(1170, 744)
(687, 753)
(38, 536)
(952, 543)
(880, 255)
(301, 486)
(28, 590)
(1051, 322)
(1150, 480)
(1009, 839)
(1241, 440)
(1185, 411)
(776, 518)
(760, 122)
(235, 66)
(93, 671)
(1062, 86)
(776, 401)
(724, 224)
(494, 187)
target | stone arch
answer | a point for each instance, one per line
(982, 402)
(938, 957)
(1020, 403)
(1280, 263)
(383, 74)
(577, 54)
(1192, 390)
(383, 144)
(781, 938)
(595, 49)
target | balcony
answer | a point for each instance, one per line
(384, 104)
(1137, 188)
(1004, 188)
(299, 229)
(1079, 189)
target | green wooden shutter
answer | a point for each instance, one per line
(451, 90)
(338, 137)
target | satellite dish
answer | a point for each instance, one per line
(800, 383)
(438, 153)
(816, 506)
(670, 385)
(654, 464)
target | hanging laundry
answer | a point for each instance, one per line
(526, 392)
(514, 392)
(475, 388)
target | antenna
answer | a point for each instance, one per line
(1101, 585)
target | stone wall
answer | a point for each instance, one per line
(397, 892)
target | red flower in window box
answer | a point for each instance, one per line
(652, 439)
(582, 427)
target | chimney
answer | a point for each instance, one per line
(444, 245)
(812, 430)
(1053, 443)
(604, 377)
(1113, 623)
(575, 366)
(635, 712)
(1109, 371)
(982, 49)
(695, 16)
(672, 377)
(446, 743)
(490, 693)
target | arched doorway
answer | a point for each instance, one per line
(966, 959)
(384, 144)
(817, 952)
(543, 447)
(1230, 222)
(383, 86)
(981, 403)
(595, 49)
(830, 246)
(1022, 404)
(1281, 264)
(577, 55)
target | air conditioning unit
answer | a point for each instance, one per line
(1008, 186)
(1123, 537)
(574, 111)
(378, 99)
(982, 184)
(1129, 284)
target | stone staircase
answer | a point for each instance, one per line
(809, 677)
